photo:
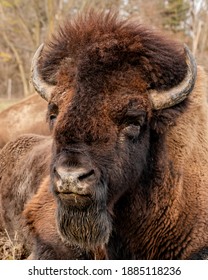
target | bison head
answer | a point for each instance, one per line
(108, 83)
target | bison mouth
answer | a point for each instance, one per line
(73, 199)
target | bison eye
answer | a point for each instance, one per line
(52, 114)
(132, 131)
(52, 119)
(132, 124)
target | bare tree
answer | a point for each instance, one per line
(24, 24)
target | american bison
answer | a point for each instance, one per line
(26, 116)
(124, 175)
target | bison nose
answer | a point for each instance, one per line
(74, 180)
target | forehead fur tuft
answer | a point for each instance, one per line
(103, 43)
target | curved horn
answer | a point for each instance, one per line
(169, 98)
(39, 84)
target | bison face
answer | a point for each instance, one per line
(99, 153)
(103, 90)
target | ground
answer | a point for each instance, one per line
(10, 250)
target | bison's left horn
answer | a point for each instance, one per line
(166, 99)
(43, 88)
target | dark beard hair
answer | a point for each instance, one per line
(88, 227)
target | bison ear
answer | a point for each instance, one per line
(43, 88)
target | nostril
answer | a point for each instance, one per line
(55, 172)
(86, 175)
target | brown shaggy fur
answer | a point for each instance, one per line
(26, 116)
(31, 155)
(143, 192)
(94, 45)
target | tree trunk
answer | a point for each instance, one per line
(19, 63)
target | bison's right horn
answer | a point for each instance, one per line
(39, 84)
(175, 95)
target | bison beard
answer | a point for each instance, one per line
(88, 227)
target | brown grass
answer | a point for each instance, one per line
(10, 249)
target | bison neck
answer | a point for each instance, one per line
(156, 222)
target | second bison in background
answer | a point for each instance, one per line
(124, 175)
(25, 116)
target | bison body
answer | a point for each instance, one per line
(26, 116)
(124, 175)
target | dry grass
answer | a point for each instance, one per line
(10, 249)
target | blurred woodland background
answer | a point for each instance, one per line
(24, 24)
